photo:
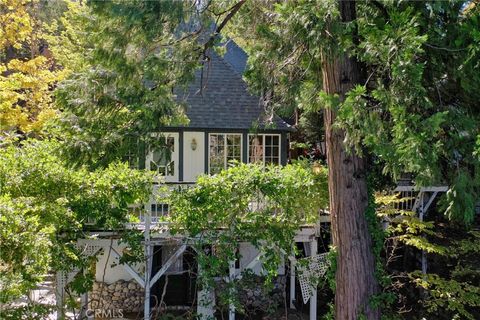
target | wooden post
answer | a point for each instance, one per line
(148, 265)
(421, 214)
(231, 307)
(84, 305)
(313, 298)
(292, 282)
(205, 301)
(59, 295)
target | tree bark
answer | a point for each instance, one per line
(355, 279)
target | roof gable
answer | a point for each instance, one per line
(225, 102)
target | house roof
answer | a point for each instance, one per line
(225, 102)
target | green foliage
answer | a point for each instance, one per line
(331, 281)
(36, 170)
(283, 41)
(408, 140)
(406, 227)
(457, 293)
(415, 108)
(66, 37)
(448, 294)
(264, 206)
(467, 253)
(461, 198)
(385, 298)
(43, 198)
(133, 60)
(413, 111)
(23, 238)
(30, 312)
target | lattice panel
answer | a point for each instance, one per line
(71, 275)
(88, 250)
(61, 280)
(309, 271)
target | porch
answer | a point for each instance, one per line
(146, 286)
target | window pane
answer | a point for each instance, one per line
(237, 151)
(216, 153)
(235, 140)
(234, 147)
(276, 141)
(272, 150)
(170, 168)
(275, 151)
(224, 148)
(165, 209)
(268, 140)
(170, 144)
(268, 151)
(255, 148)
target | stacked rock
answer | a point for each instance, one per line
(125, 295)
(254, 297)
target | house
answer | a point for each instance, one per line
(227, 123)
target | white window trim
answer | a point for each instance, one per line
(263, 146)
(225, 162)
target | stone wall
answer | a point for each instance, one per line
(125, 295)
(129, 296)
(254, 297)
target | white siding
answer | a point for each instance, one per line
(115, 273)
(193, 160)
(249, 252)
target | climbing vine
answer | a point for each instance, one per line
(45, 204)
(264, 206)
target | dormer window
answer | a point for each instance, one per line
(264, 148)
(223, 148)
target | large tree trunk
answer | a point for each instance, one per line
(355, 280)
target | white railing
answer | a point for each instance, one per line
(156, 209)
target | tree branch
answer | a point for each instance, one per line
(231, 13)
(233, 10)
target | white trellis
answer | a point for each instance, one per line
(87, 249)
(309, 270)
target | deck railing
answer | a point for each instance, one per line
(156, 208)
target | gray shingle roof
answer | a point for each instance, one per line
(235, 57)
(225, 102)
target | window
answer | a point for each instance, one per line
(158, 210)
(161, 160)
(132, 152)
(223, 149)
(264, 148)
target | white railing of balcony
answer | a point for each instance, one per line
(156, 208)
